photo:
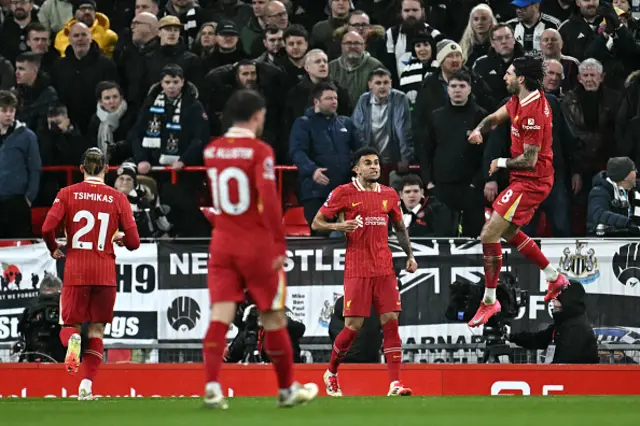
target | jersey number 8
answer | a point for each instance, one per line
(507, 196)
(220, 191)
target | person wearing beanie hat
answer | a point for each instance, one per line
(78, 4)
(84, 11)
(614, 203)
(446, 48)
(571, 332)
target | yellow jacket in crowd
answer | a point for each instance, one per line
(100, 33)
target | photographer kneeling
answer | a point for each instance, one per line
(247, 346)
(571, 332)
(613, 199)
(39, 326)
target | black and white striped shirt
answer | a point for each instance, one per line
(529, 37)
(398, 44)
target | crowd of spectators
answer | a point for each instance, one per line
(146, 81)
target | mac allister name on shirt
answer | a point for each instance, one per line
(93, 197)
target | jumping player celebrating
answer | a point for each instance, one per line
(531, 179)
(368, 273)
(92, 213)
(247, 247)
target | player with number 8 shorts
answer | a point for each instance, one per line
(248, 248)
(92, 213)
(530, 180)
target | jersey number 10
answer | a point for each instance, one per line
(220, 191)
(103, 218)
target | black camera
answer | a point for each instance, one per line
(466, 297)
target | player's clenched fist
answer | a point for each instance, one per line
(475, 137)
(350, 225)
(57, 254)
(412, 265)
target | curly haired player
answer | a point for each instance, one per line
(531, 178)
(369, 277)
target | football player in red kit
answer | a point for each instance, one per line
(92, 213)
(247, 247)
(369, 277)
(530, 180)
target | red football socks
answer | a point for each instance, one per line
(278, 348)
(529, 249)
(492, 263)
(213, 347)
(392, 349)
(92, 358)
(341, 347)
(66, 333)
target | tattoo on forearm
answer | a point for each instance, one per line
(403, 238)
(486, 125)
(526, 160)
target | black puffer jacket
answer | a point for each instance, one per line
(601, 210)
(571, 331)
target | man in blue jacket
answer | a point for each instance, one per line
(320, 145)
(20, 168)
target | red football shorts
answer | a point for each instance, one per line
(230, 275)
(519, 201)
(361, 292)
(87, 303)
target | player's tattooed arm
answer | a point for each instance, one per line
(403, 238)
(525, 161)
(492, 121)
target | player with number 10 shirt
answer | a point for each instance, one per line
(92, 214)
(247, 251)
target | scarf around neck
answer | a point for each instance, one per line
(153, 136)
(109, 123)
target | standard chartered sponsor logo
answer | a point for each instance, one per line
(375, 221)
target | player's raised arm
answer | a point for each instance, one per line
(55, 214)
(131, 238)
(489, 123)
(266, 186)
(402, 235)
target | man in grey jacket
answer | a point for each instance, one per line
(19, 171)
(383, 116)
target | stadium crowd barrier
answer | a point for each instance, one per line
(187, 380)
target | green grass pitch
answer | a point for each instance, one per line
(382, 411)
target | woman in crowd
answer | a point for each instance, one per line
(475, 39)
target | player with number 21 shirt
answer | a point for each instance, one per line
(92, 213)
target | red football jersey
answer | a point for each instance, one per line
(92, 213)
(531, 124)
(245, 200)
(368, 253)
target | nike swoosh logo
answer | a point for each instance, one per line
(355, 204)
(479, 319)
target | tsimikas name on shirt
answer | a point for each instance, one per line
(93, 197)
(229, 153)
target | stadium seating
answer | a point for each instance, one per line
(295, 223)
